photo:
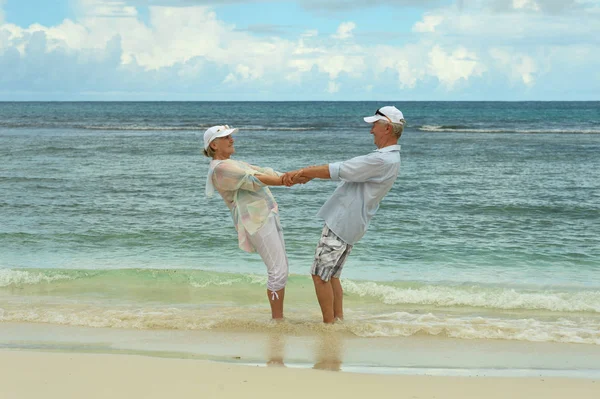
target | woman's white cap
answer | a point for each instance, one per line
(217, 131)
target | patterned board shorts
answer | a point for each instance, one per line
(330, 256)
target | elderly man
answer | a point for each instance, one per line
(365, 181)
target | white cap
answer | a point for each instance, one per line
(217, 131)
(388, 113)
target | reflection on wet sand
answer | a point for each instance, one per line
(275, 349)
(328, 352)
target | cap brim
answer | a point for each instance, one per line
(373, 119)
(226, 132)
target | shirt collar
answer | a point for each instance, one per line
(389, 148)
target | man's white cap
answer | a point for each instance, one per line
(217, 131)
(388, 113)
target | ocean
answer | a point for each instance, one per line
(491, 232)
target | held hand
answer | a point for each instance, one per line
(294, 177)
(297, 176)
(300, 179)
(287, 178)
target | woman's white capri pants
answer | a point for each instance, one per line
(269, 243)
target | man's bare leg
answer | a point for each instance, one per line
(276, 302)
(324, 293)
(338, 298)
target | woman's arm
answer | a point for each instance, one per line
(270, 180)
(271, 177)
(266, 171)
(228, 175)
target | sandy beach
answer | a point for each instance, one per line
(49, 361)
(31, 374)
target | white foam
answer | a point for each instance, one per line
(19, 277)
(526, 329)
(253, 279)
(479, 297)
(360, 323)
(215, 282)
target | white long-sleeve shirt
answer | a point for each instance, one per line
(365, 181)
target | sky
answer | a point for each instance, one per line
(338, 50)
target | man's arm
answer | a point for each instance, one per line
(306, 174)
(316, 172)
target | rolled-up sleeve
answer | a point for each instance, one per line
(334, 170)
(229, 176)
(266, 171)
(359, 169)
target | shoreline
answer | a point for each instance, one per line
(409, 356)
(30, 374)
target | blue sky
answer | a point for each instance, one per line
(299, 50)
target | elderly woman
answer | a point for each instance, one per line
(244, 189)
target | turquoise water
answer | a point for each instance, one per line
(491, 231)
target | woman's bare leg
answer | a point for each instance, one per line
(276, 302)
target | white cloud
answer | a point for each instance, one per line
(527, 68)
(526, 5)
(428, 24)
(312, 53)
(200, 40)
(157, 45)
(107, 8)
(407, 76)
(344, 31)
(481, 23)
(108, 47)
(344, 5)
(553, 7)
(302, 48)
(407, 64)
(242, 73)
(518, 66)
(525, 43)
(334, 65)
(449, 68)
(69, 36)
(191, 69)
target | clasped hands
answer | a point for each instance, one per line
(294, 177)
